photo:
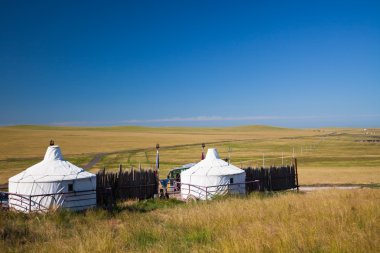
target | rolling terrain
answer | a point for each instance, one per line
(325, 156)
(320, 221)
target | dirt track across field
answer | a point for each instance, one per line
(309, 188)
(317, 188)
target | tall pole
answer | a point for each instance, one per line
(263, 161)
(296, 172)
(157, 157)
(158, 167)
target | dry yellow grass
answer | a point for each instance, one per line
(22, 146)
(325, 221)
(31, 141)
(324, 155)
(339, 175)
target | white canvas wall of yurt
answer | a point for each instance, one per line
(210, 177)
(52, 183)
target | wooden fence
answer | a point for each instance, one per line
(3, 187)
(274, 178)
(127, 184)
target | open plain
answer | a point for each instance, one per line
(325, 156)
(318, 221)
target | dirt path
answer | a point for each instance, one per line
(94, 161)
(99, 156)
(318, 188)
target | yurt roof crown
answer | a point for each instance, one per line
(52, 168)
(212, 165)
(53, 153)
(212, 154)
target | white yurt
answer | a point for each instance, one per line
(52, 183)
(212, 176)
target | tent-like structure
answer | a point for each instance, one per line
(52, 183)
(212, 176)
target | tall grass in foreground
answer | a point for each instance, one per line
(324, 221)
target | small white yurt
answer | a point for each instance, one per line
(52, 183)
(212, 176)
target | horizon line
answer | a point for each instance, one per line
(209, 119)
(204, 119)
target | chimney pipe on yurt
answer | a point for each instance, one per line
(203, 151)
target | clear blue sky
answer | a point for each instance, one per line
(194, 63)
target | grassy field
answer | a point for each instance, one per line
(325, 156)
(321, 221)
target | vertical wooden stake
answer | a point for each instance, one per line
(296, 171)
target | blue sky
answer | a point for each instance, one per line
(192, 63)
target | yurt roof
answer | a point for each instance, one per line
(51, 169)
(212, 165)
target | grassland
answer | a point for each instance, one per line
(325, 156)
(322, 221)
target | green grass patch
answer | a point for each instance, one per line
(198, 236)
(144, 239)
(152, 204)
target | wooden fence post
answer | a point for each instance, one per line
(296, 171)
(30, 203)
(128, 184)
